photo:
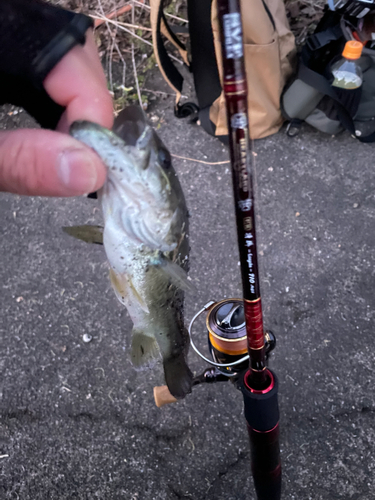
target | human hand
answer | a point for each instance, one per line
(51, 163)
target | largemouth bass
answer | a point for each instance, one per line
(145, 238)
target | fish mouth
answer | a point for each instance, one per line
(79, 125)
(131, 126)
(131, 129)
(108, 145)
(93, 135)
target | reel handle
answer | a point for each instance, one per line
(162, 396)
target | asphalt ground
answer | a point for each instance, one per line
(77, 421)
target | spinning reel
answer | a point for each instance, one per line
(227, 345)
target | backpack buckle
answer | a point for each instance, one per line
(318, 40)
(313, 43)
(293, 127)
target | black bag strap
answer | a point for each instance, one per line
(204, 66)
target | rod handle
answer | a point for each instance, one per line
(162, 396)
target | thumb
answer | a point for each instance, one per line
(47, 163)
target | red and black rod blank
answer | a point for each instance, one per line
(259, 385)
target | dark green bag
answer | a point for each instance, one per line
(310, 97)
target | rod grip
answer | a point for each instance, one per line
(261, 408)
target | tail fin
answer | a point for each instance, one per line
(178, 376)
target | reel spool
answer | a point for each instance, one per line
(227, 339)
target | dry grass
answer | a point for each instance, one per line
(303, 17)
(124, 42)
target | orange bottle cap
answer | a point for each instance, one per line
(352, 50)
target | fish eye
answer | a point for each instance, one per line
(164, 158)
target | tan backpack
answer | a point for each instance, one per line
(269, 57)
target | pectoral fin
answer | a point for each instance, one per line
(89, 234)
(144, 348)
(175, 273)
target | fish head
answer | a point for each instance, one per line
(142, 187)
(133, 153)
(153, 160)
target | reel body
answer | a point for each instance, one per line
(226, 336)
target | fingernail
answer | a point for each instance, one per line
(77, 170)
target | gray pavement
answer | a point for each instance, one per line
(77, 421)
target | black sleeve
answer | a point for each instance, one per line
(34, 37)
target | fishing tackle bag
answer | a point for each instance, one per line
(310, 96)
(269, 54)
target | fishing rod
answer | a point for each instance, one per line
(259, 384)
(238, 345)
